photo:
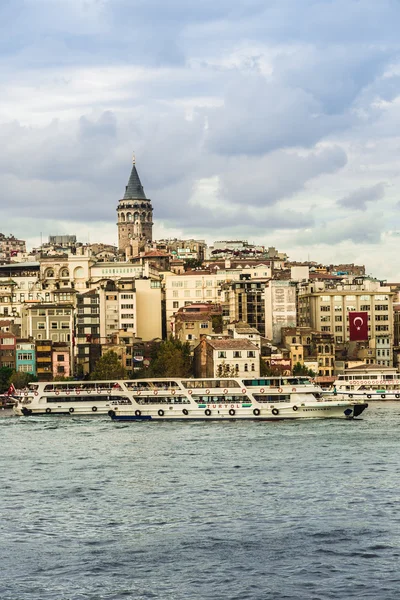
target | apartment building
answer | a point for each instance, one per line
(193, 286)
(7, 350)
(325, 306)
(280, 308)
(247, 302)
(25, 356)
(226, 358)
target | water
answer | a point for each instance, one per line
(96, 510)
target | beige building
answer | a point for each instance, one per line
(226, 358)
(190, 322)
(131, 305)
(325, 307)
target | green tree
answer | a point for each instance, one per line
(108, 367)
(192, 263)
(21, 380)
(268, 371)
(5, 374)
(217, 323)
(300, 369)
(170, 359)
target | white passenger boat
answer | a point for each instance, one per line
(372, 383)
(188, 399)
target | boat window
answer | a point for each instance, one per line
(194, 384)
(221, 399)
(162, 400)
(272, 398)
(92, 400)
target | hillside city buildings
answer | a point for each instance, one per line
(65, 303)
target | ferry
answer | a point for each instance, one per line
(372, 383)
(187, 399)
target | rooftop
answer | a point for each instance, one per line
(229, 344)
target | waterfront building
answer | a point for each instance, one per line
(7, 350)
(61, 360)
(25, 356)
(44, 359)
(226, 358)
(135, 217)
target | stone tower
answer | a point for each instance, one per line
(135, 217)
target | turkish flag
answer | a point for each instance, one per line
(358, 323)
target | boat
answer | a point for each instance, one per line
(187, 399)
(368, 382)
(7, 401)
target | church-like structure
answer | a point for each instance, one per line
(135, 217)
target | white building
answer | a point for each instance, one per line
(280, 308)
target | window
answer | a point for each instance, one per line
(198, 293)
(175, 293)
(350, 298)
(54, 325)
(338, 328)
(246, 367)
(60, 357)
(325, 298)
(175, 305)
(251, 354)
(237, 354)
(253, 367)
(338, 318)
(187, 293)
(41, 325)
(129, 306)
(325, 308)
(64, 325)
(325, 328)
(61, 369)
(365, 307)
(221, 354)
(204, 325)
(337, 298)
(381, 307)
(208, 293)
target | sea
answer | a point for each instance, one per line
(289, 510)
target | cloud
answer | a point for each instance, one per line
(358, 199)
(248, 118)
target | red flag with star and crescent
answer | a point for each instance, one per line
(358, 324)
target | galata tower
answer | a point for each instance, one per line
(135, 217)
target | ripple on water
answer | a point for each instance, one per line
(93, 510)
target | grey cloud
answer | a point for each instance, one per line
(260, 116)
(265, 181)
(367, 229)
(358, 199)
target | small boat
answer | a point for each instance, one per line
(7, 401)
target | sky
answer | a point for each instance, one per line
(273, 121)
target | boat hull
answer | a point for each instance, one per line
(342, 410)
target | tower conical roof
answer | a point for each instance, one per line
(134, 190)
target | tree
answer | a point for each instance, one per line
(192, 263)
(108, 367)
(267, 371)
(300, 369)
(20, 380)
(170, 359)
(5, 374)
